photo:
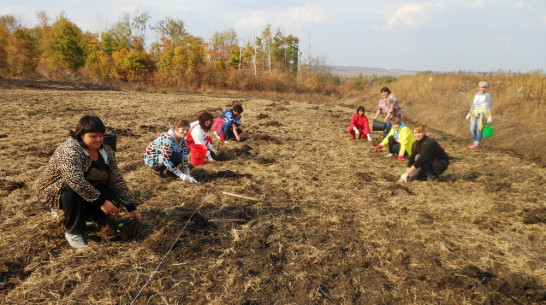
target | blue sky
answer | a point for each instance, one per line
(420, 35)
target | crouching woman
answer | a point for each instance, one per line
(198, 134)
(228, 124)
(428, 160)
(168, 151)
(82, 178)
(400, 140)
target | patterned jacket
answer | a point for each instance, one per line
(159, 153)
(390, 105)
(69, 163)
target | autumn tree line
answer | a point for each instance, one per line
(60, 50)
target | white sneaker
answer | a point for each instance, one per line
(388, 155)
(75, 240)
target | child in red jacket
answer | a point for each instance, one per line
(359, 125)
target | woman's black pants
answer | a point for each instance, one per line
(77, 211)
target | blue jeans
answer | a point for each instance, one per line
(227, 129)
(474, 131)
(176, 159)
(388, 127)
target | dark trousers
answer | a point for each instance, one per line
(394, 147)
(77, 211)
(435, 167)
(176, 158)
(432, 169)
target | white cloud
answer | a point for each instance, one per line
(521, 5)
(473, 4)
(291, 19)
(412, 14)
(256, 20)
(308, 14)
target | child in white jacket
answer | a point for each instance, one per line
(198, 134)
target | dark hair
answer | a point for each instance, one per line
(360, 108)
(386, 89)
(87, 124)
(183, 123)
(396, 121)
(203, 117)
(238, 108)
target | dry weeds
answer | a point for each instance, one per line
(331, 225)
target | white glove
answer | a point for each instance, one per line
(210, 158)
(188, 178)
(214, 151)
(403, 178)
(468, 116)
(357, 133)
(489, 120)
(369, 137)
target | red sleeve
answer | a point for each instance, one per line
(353, 121)
(366, 125)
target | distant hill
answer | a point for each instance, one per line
(354, 71)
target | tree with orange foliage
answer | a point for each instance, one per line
(21, 56)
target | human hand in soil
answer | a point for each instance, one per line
(135, 215)
(378, 147)
(369, 137)
(403, 178)
(188, 178)
(400, 158)
(109, 208)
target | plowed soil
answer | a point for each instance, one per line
(322, 220)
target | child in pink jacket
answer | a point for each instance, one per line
(359, 125)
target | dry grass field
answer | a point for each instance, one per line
(326, 222)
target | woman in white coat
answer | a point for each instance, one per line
(199, 134)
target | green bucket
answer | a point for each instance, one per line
(488, 131)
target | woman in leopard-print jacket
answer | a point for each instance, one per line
(83, 179)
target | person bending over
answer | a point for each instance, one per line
(390, 108)
(198, 134)
(228, 125)
(168, 151)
